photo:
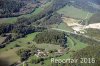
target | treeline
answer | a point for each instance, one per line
(54, 18)
(19, 28)
(51, 37)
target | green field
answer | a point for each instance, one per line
(74, 12)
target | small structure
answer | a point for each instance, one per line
(60, 52)
(41, 54)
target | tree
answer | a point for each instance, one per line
(24, 54)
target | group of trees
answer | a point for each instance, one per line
(54, 18)
(51, 37)
(24, 54)
(19, 28)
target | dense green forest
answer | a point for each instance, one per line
(52, 37)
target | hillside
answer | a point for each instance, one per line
(32, 32)
(12, 8)
(87, 5)
(95, 18)
(88, 52)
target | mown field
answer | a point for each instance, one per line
(74, 12)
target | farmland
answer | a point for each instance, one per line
(73, 12)
(56, 29)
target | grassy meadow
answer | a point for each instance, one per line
(73, 12)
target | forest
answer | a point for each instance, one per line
(52, 37)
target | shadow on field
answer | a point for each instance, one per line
(3, 62)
